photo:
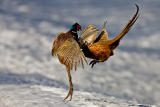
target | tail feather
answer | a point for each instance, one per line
(115, 42)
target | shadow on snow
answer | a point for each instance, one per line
(31, 79)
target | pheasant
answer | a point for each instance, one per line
(100, 49)
(72, 50)
(69, 53)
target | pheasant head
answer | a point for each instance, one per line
(75, 27)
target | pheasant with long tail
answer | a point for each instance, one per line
(100, 49)
(72, 50)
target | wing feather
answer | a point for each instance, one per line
(103, 36)
(70, 54)
(57, 42)
(88, 35)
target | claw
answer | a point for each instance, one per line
(70, 93)
(93, 62)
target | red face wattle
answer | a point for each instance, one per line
(78, 27)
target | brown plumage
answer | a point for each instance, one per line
(69, 53)
(102, 48)
(72, 50)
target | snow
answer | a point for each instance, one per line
(42, 96)
(30, 76)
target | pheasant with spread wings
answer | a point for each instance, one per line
(69, 53)
(100, 49)
(72, 50)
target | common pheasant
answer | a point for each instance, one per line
(72, 50)
(69, 53)
(100, 49)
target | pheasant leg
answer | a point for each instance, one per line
(70, 92)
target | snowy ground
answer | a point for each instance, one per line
(42, 96)
(29, 76)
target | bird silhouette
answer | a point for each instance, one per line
(69, 53)
(100, 49)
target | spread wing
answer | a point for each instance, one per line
(115, 42)
(88, 35)
(57, 42)
(103, 36)
(69, 53)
